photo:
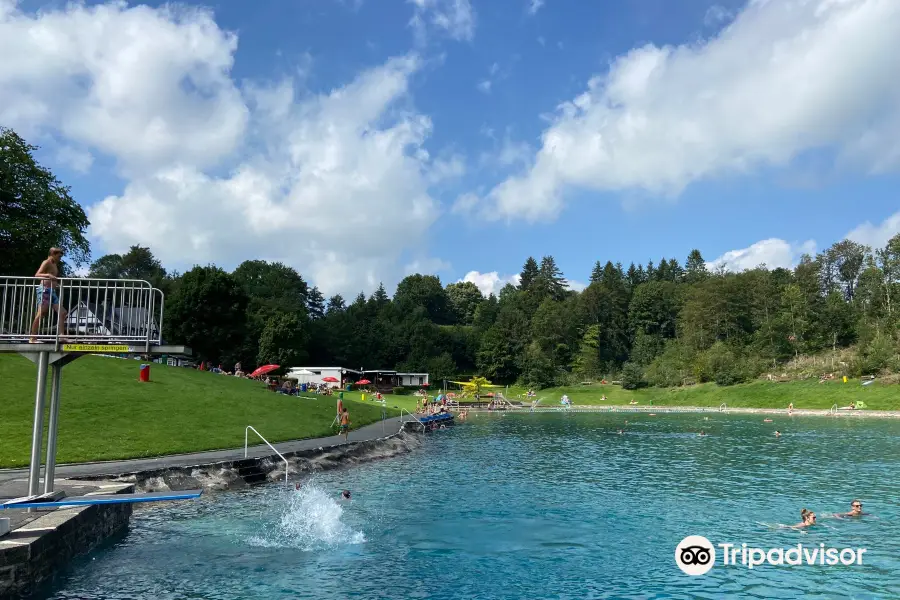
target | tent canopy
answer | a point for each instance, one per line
(484, 386)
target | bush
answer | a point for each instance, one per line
(401, 391)
(632, 376)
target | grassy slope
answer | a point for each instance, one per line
(106, 413)
(758, 394)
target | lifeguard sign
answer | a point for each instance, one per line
(111, 316)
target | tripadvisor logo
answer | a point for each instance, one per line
(696, 555)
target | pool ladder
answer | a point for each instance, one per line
(723, 408)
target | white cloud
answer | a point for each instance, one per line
(783, 78)
(876, 236)
(490, 283)
(534, 6)
(426, 266)
(774, 253)
(716, 15)
(334, 184)
(148, 86)
(484, 86)
(575, 285)
(76, 159)
(454, 18)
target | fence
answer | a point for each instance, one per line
(83, 311)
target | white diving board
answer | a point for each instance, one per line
(33, 502)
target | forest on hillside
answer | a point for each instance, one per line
(662, 323)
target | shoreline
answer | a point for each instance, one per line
(620, 408)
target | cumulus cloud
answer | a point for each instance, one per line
(876, 236)
(781, 79)
(490, 283)
(774, 253)
(147, 86)
(453, 18)
(534, 6)
(335, 184)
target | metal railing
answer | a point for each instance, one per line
(76, 310)
(833, 410)
(415, 420)
(286, 463)
(723, 407)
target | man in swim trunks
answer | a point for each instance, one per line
(345, 425)
(47, 297)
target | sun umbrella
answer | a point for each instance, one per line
(363, 382)
(330, 379)
(263, 370)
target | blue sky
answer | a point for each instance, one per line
(714, 125)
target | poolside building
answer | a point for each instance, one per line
(382, 379)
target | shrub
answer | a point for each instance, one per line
(632, 376)
(401, 391)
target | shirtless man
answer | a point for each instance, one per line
(855, 510)
(345, 425)
(47, 297)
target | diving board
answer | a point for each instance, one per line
(102, 499)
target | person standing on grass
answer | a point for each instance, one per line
(47, 297)
(345, 425)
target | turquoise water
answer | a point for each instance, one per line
(533, 506)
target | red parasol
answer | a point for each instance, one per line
(263, 370)
(363, 382)
(425, 384)
(330, 379)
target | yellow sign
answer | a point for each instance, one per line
(94, 348)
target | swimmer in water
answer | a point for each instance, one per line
(807, 517)
(297, 487)
(620, 432)
(701, 434)
(777, 433)
(346, 495)
(767, 420)
(855, 510)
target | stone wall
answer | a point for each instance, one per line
(34, 553)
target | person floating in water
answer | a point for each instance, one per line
(701, 434)
(345, 425)
(777, 433)
(345, 494)
(855, 510)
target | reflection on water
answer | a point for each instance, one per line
(533, 506)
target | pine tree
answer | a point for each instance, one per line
(695, 267)
(315, 303)
(336, 304)
(529, 274)
(632, 276)
(676, 273)
(552, 282)
(650, 271)
(380, 297)
(662, 272)
(587, 363)
(597, 273)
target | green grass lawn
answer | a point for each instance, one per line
(757, 394)
(106, 413)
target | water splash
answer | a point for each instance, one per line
(311, 520)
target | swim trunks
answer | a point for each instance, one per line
(46, 296)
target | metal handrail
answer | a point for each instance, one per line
(723, 408)
(98, 310)
(833, 410)
(402, 422)
(286, 463)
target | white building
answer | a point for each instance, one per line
(380, 378)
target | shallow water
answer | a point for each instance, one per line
(533, 506)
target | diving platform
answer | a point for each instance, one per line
(53, 322)
(46, 501)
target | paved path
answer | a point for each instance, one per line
(374, 431)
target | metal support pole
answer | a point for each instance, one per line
(55, 377)
(34, 474)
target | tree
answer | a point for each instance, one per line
(425, 291)
(283, 340)
(315, 303)
(441, 367)
(632, 376)
(36, 212)
(380, 297)
(888, 260)
(842, 264)
(550, 282)
(336, 304)
(208, 313)
(597, 272)
(529, 274)
(464, 299)
(587, 363)
(695, 267)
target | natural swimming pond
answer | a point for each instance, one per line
(535, 506)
